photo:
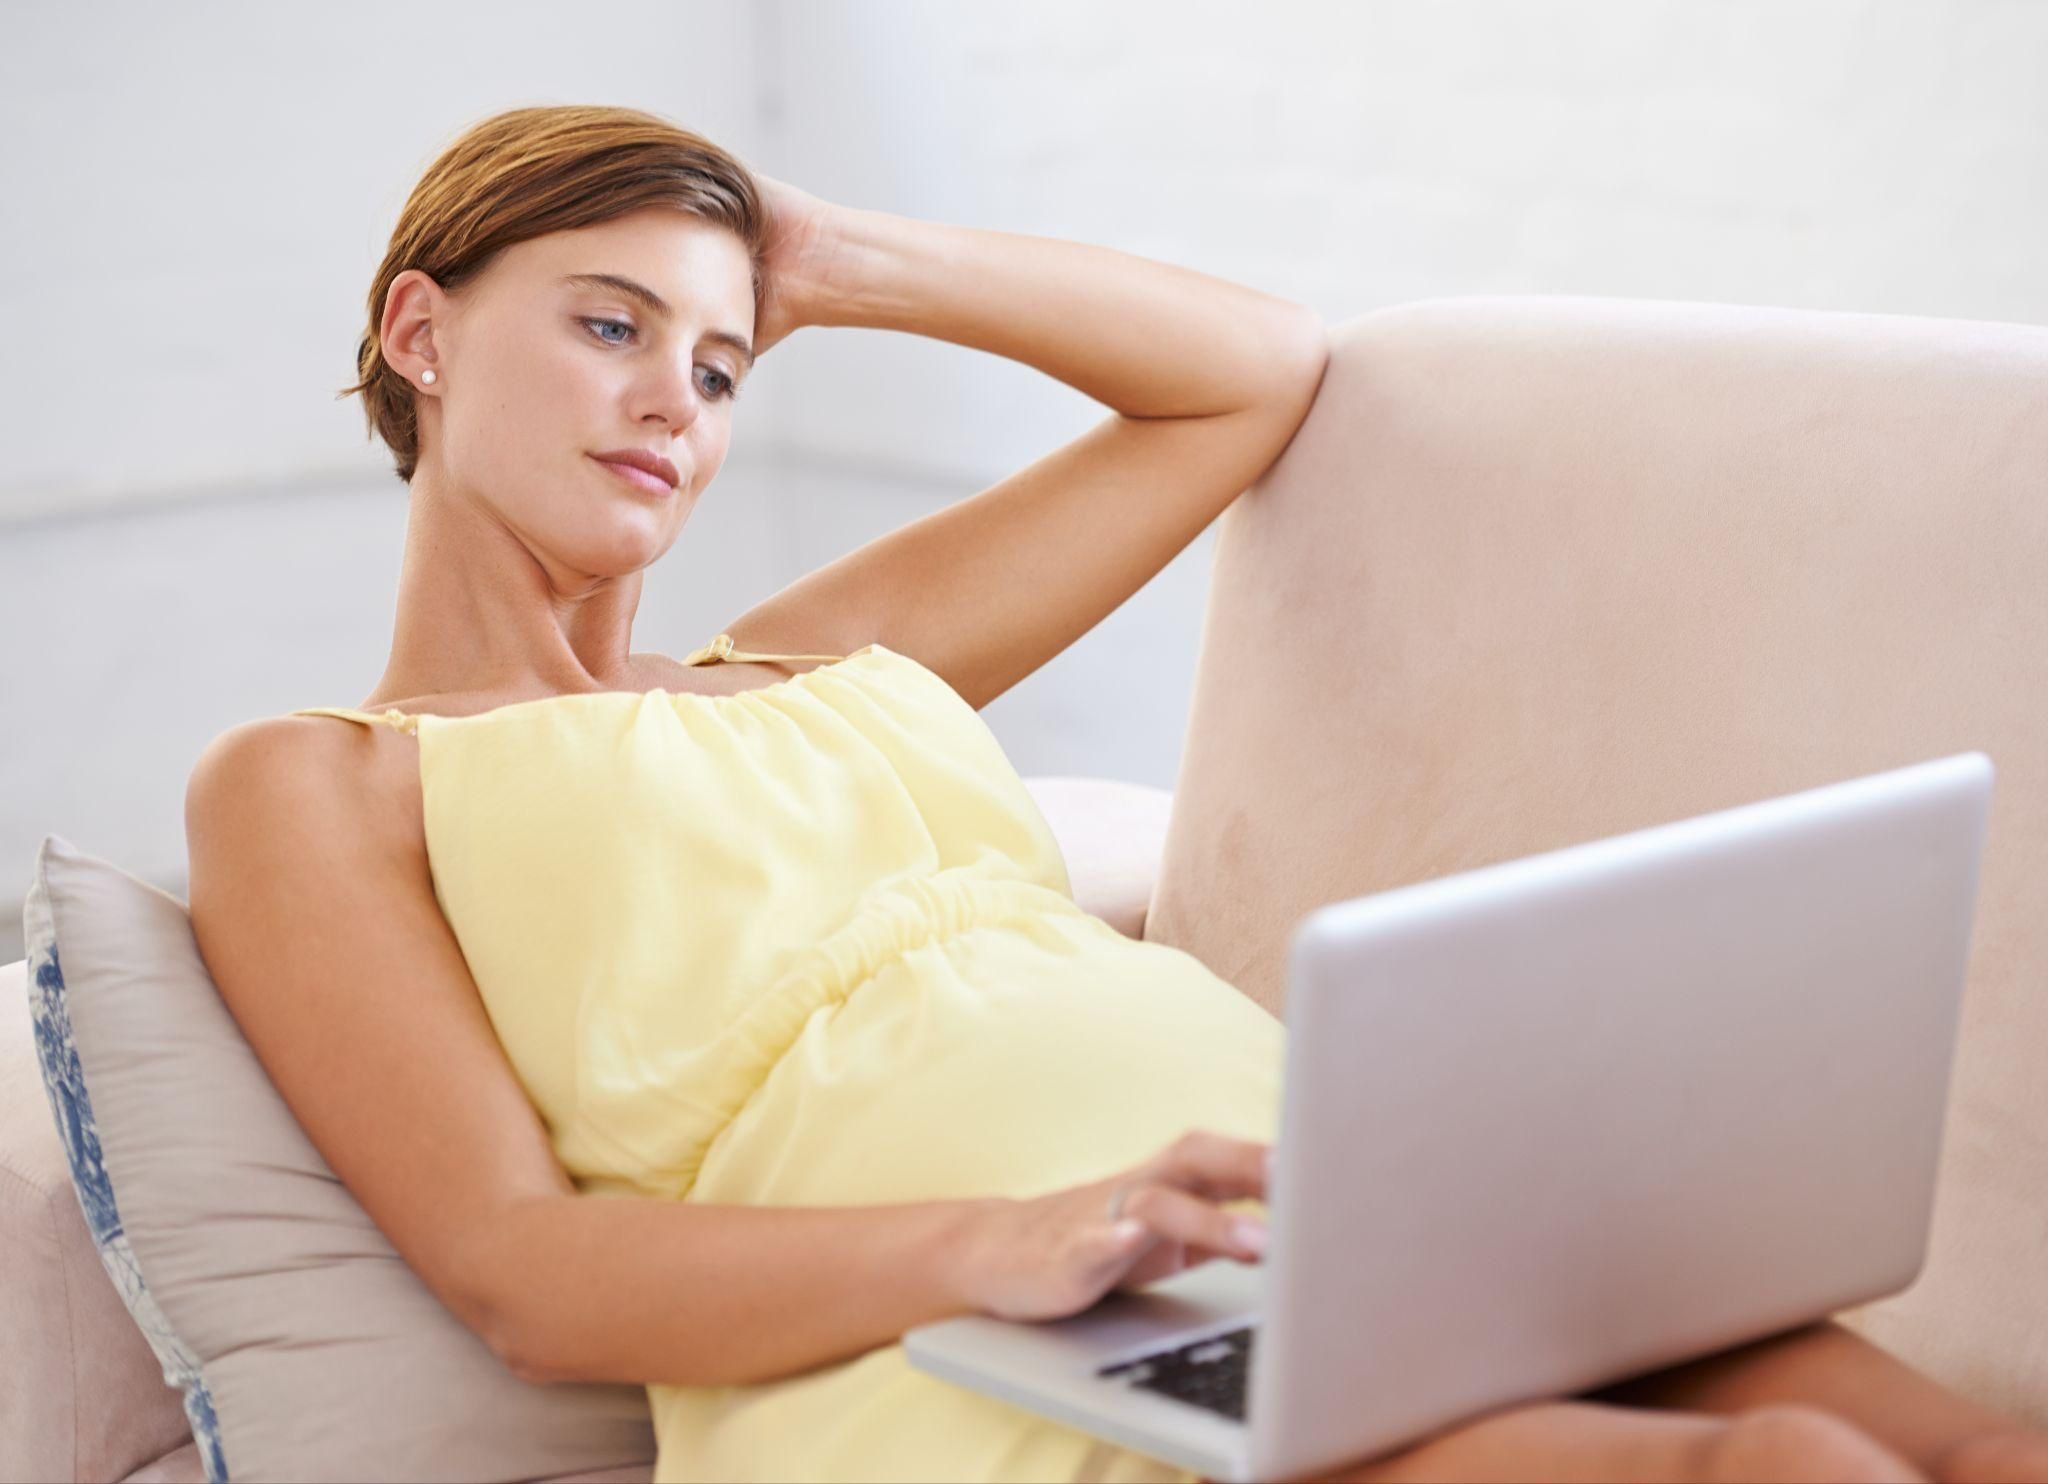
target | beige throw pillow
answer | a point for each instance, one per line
(304, 1346)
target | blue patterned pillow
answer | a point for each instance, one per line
(64, 1082)
(302, 1344)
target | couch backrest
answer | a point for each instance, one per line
(1539, 570)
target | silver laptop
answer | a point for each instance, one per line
(1555, 1122)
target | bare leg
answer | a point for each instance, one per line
(1580, 1442)
(1817, 1403)
(1832, 1368)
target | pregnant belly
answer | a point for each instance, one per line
(1009, 1059)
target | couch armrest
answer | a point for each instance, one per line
(1539, 570)
(81, 1395)
(1112, 835)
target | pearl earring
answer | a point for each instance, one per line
(427, 376)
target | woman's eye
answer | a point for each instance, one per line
(728, 388)
(614, 324)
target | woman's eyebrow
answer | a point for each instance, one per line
(655, 305)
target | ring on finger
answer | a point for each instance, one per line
(1116, 1202)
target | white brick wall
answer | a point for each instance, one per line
(194, 197)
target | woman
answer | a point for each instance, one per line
(804, 942)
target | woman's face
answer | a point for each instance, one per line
(536, 374)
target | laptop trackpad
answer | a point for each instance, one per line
(1218, 1295)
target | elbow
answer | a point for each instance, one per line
(512, 1340)
(1315, 352)
(497, 1298)
(1300, 358)
(507, 1323)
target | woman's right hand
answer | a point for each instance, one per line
(1053, 1255)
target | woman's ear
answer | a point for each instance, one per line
(406, 331)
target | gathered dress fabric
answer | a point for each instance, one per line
(814, 944)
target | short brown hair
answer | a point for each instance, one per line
(527, 172)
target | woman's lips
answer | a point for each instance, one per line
(638, 478)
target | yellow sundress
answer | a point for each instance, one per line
(814, 944)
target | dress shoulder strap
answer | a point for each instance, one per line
(721, 648)
(403, 721)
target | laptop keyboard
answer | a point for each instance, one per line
(1210, 1372)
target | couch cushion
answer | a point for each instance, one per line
(303, 1345)
(182, 1466)
(1111, 834)
(81, 1394)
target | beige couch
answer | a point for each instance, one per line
(1535, 571)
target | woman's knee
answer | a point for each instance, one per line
(1795, 1443)
(2005, 1456)
(1567, 1439)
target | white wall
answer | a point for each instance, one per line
(195, 196)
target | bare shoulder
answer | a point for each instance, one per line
(307, 773)
(314, 911)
